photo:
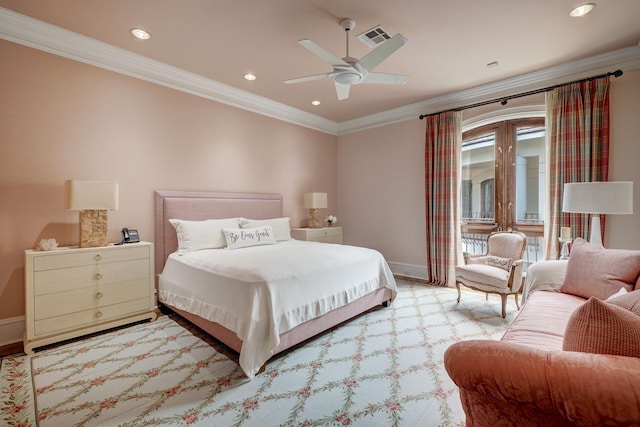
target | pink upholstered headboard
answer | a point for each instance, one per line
(205, 205)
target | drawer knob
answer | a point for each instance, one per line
(98, 276)
(98, 314)
(99, 295)
(98, 257)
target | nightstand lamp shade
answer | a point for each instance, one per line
(613, 197)
(92, 199)
(314, 202)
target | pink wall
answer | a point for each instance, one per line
(623, 231)
(65, 120)
(381, 177)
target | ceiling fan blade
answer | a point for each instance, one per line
(307, 78)
(382, 52)
(384, 78)
(328, 57)
(342, 91)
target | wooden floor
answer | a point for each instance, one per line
(9, 349)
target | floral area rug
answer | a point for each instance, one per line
(384, 368)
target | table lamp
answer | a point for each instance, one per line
(92, 199)
(314, 202)
(595, 198)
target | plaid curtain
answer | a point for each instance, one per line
(442, 154)
(578, 151)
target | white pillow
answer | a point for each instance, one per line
(245, 237)
(621, 292)
(198, 235)
(281, 226)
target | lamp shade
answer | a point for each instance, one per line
(315, 200)
(90, 195)
(613, 197)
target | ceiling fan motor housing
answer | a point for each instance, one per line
(351, 75)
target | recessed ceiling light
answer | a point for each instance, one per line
(141, 34)
(250, 77)
(316, 102)
(582, 10)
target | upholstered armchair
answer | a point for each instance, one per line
(499, 271)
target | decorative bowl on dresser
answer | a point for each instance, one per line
(71, 292)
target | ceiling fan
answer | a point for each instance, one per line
(349, 71)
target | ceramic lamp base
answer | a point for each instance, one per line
(93, 228)
(564, 253)
(315, 220)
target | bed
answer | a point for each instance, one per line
(253, 299)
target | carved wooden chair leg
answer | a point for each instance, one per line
(516, 297)
(504, 305)
(458, 288)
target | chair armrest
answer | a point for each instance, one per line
(582, 388)
(516, 279)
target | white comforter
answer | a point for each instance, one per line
(261, 292)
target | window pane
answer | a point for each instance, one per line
(530, 174)
(478, 178)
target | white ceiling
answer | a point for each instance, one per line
(450, 42)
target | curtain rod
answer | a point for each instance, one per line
(504, 99)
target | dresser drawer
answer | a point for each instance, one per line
(83, 319)
(66, 279)
(324, 233)
(60, 303)
(75, 258)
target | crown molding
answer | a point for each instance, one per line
(626, 59)
(27, 31)
(43, 36)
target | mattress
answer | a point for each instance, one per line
(260, 292)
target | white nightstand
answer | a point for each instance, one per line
(71, 292)
(325, 234)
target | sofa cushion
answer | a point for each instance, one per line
(603, 328)
(542, 320)
(595, 271)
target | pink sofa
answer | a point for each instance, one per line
(527, 379)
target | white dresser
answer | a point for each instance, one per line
(76, 291)
(325, 234)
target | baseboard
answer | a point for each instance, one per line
(411, 271)
(11, 330)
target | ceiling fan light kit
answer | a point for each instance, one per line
(349, 71)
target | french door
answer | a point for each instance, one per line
(503, 180)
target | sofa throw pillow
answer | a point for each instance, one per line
(492, 260)
(198, 235)
(595, 271)
(281, 226)
(603, 328)
(245, 237)
(629, 301)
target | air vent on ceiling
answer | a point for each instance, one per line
(373, 37)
